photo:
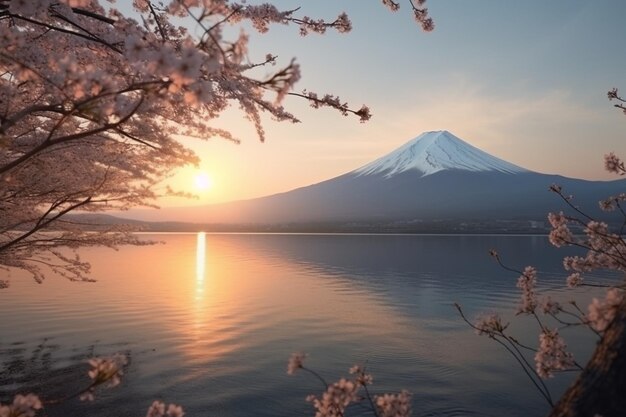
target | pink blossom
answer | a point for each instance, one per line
(29, 8)
(174, 410)
(335, 399)
(598, 228)
(608, 205)
(489, 324)
(77, 3)
(602, 312)
(557, 219)
(157, 409)
(551, 355)
(296, 361)
(394, 405)
(23, 406)
(549, 306)
(574, 280)
(104, 370)
(613, 163)
(577, 263)
(391, 5)
(526, 282)
(561, 236)
(361, 377)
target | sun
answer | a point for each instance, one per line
(202, 181)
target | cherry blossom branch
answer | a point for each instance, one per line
(78, 26)
(48, 143)
(43, 222)
(315, 374)
(334, 102)
(421, 15)
(495, 329)
(66, 31)
(93, 15)
(613, 94)
(157, 20)
(558, 191)
(525, 367)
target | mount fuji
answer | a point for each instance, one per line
(435, 177)
(432, 152)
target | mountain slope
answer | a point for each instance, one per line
(434, 177)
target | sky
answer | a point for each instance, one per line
(524, 81)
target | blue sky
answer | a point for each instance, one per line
(525, 81)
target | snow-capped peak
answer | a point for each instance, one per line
(436, 151)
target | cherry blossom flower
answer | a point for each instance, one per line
(107, 371)
(157, 409)
(608, 205)
(602, 312)
(526, 282)
(574, 280)
(394, 405)
(561, 236)
(550, 306)
(335, 399)
(22, 406)
(551, 355)
(29, 7)
(489, 324)
(362, 378)
(613, 163)
(391, 5)
(296, 361)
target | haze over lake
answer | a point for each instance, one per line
(209, 321)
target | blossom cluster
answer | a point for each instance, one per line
(602, 312)
(489, 324)
(550, 306)
(361, 378)
(560, 234)
(394, 405)
(334, 401)
(614, 164)
(296, 361)
(527, 282)
(158, 409)
(107, 370)
(22, 406)
(552, 355)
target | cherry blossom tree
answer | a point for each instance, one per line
(93, 103)
(600, 387)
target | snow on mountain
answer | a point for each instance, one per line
(436, 151)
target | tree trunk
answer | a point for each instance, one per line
(600, 389)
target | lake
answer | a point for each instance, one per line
(210, 320)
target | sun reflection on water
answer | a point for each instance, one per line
(200, 264)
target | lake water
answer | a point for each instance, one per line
(209, 321)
